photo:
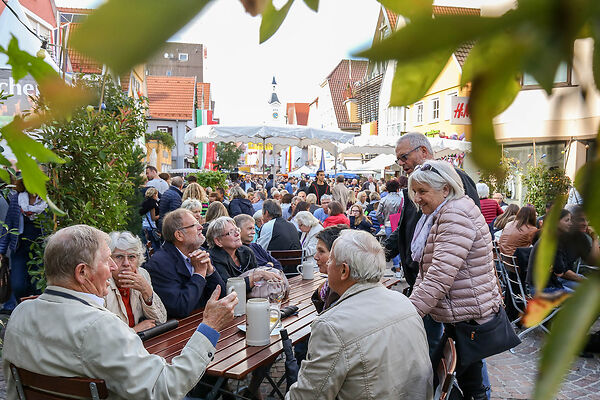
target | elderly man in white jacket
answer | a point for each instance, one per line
(67, 332)
(371, 343)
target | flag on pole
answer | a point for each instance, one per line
(322, 164)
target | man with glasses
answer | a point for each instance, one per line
(181, 271)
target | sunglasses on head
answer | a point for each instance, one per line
(428, 167)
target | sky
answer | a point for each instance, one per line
(300, 55)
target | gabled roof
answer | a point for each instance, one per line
(448, 10)
(203, 96)
(79, 62)
(298, 113)
(392, 17)
(346, 72)
(463, 51)
(171, 97)
(72, 10)
(44, 9)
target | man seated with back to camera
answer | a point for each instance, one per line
(67, 332)
(181, 271)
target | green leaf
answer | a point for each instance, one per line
(586, 183)
(596, 56)
(272, 19)
(125, 33)
(489, 95)
(4, 175)
(567, 337)
(425, 36)
(312, 4)
(408, 8)
(547, 250)
(23, 63)
(412, 80)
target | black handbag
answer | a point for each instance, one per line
(154, 232)
(4, 280)
(476, 342)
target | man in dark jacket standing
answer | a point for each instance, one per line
(171, 199)
(319, 187)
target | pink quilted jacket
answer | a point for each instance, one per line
(457, 281)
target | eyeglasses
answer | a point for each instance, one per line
(404, 157)
(232, 233)
(196, 225)
(428, 167)
(119, 258)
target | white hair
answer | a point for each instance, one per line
(257, 215)
(191, 204)
(442, 174)
(483, 190)
(326, 197)
(416, 139)
(363, 254)
(307, 219)
(126, 241)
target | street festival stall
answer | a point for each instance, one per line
(279, 136)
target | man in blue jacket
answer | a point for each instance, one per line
(170, 199)
(181, 271)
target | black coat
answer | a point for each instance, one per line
(240, 206)
(225, 266)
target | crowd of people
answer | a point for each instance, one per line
(435, 225)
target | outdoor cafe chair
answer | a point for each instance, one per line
(32, 386)
(446, 371)
(289, 259)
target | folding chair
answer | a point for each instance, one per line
(32, 386)
(289, 259)
(500, 273)
(519, 294)
(446, 371)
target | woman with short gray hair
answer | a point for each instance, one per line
(196, 207)
(310, 227)
(239, 203)
(229, 256)
(130, 295)
(453, 246)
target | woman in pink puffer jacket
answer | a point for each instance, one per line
(452, 243)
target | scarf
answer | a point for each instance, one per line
(33, 210)
(417, 245)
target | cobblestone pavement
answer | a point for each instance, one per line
(512, 376)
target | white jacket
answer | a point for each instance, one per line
(370, 344)
(72, 336)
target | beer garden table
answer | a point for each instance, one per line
(233, 357)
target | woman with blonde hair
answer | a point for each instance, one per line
(311, 199)
(195, 191)
(215, 210)
(239, 202)
(358, 219)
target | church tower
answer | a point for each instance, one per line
(276, 117)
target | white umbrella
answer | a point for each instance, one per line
(305, 169)
(279, 136)
(380, 162)
(387, 145)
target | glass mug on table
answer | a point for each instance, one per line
(275, 300)
(238, 285)
(258, 325)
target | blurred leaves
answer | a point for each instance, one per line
(408, 8)
(254, 7)
(312, 4)
(548, 245)
(272, 19)
(567, 336)
(540, 307)
(125, 33)
(586, 183)
(413, 80)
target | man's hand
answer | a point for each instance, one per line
(133, 280)
(200, 260)
(219, 313)
(146, 324)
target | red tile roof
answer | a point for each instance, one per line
(203, 96)
(392, 17)
(79, 62)
(125, 78)
(298, 113)
(72, 10)
(346, 72)
(41, 8)
(171, 97)
(447, 10)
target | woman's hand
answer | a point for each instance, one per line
(145, 324)
(133, 280)
(262, 275)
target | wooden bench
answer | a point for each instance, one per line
(289, 259)
(32, 386)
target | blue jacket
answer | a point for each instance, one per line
(169, 201)
(12, 221)
(240, 206)
(263, 257)
(180, 293)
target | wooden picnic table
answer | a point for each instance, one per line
(233, 357)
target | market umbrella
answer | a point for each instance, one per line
(279, 136)
(291, 365)
(387, 145)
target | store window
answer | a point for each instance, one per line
(448, 107)
(561, 78)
